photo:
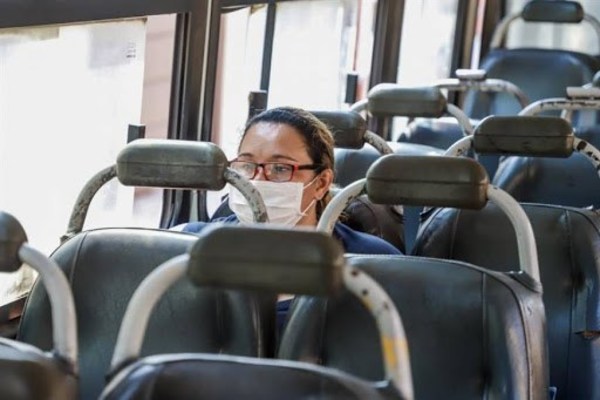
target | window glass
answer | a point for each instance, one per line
(67, 96)
(238, 72)
(315, 44)
(158, 66)
(576, 37)
(313, 50)
(427, 41)
(426, 45)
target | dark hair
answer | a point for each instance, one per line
(316, 135)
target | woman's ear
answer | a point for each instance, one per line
(323, 183)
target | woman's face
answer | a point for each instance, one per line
(274, 142)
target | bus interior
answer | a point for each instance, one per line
(466, 135)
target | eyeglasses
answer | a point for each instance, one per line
(273, 171)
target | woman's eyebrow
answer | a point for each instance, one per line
(245, 155)
(282, 157)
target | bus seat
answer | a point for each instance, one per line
(354, 154)
(393, 100)
(439, 133)
(312, 263)
(568, 244)
(443, 132)
(571, 181)
(104, 267)
(26, 372)
(540, 73)
(473, 333)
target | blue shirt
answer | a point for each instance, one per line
(352, 241)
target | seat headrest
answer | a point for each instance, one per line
(172, 164)
(347, 127)
(540, 136)
(12, 237)
(428, 181)
(552, 11)
(268, 259)
(393, 100)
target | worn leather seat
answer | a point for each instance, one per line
(26, 372)
(571, 181)
(473, 333)
(540, 73)
(568, 244)
(105, 266)
(352, 160)
(312, 264)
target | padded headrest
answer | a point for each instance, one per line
(540, 136)
(12, 237)
(267, 258)
(552, 11)
(427, 181)
(347, 127)
(393, 100)
(172, 164)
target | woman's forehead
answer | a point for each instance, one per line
(269, 140)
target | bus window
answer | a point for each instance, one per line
(314, 47)
(67, 96)
(426, 45)
(576, 37)
(239, 64)
(311, 56)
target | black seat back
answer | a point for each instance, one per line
(571, 181)
(303, 262)
(390, 100)
(568, 242)
(469, 335)
(25, 371)
(540, 73)
(105, 266)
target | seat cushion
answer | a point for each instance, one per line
(104, 267)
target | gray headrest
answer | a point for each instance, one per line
(393, 100)
(172, 164)
(12, 237)
(552, 11)
(267, 258)
(539, 136)
(427, 181)
(348, 127)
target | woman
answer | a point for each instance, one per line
(287, 153)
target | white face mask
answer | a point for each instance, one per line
(282, 199)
